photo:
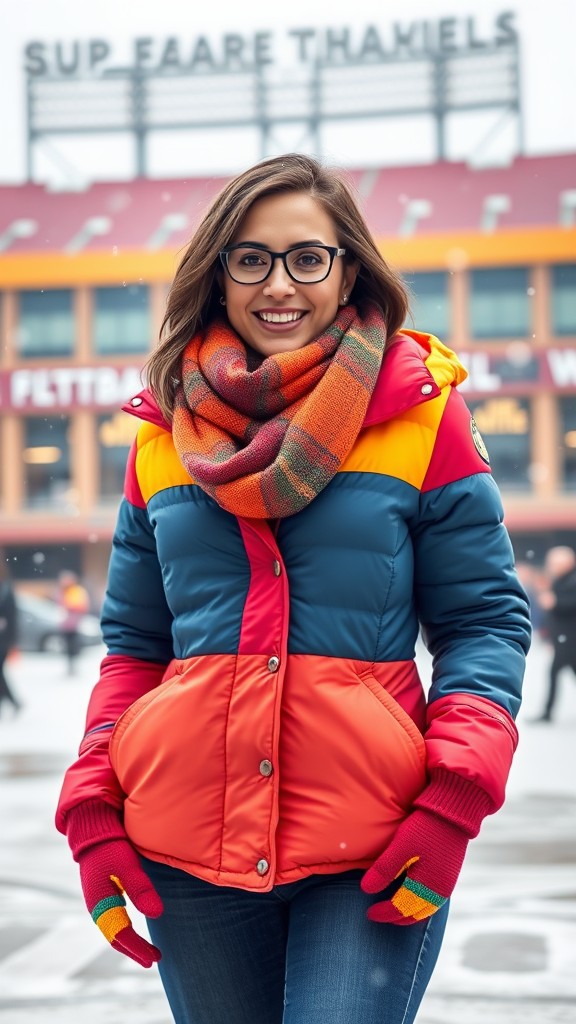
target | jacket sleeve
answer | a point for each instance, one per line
(136, 627)
(122, 681)
(473, 612)
(136, 620)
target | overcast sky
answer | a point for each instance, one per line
(547, 30)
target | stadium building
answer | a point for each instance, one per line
(489, 254)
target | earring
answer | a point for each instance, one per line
(222, 300)
(344, 299)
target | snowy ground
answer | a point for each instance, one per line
(510, 949)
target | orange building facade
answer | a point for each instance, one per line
(490, 257)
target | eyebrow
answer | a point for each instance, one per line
(260, 245)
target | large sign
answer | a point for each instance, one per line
(235, 52)
(66, 388)
(525, 373)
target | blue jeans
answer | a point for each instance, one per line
(304, 953)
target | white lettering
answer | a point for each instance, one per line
(562, 364)
(63, 384)
(42, 395)
(20, 388)
(479, 376)
(106, 387)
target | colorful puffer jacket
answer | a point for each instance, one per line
(259, 714)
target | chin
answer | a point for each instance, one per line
(275, 346)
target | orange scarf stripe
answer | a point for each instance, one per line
(264, 442)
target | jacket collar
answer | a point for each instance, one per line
(143, 405)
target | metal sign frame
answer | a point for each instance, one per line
(141, 102)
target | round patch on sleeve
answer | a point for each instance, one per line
(478, 442)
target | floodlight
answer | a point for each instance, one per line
(21, 228)
(493, 206)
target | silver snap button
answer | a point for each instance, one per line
(136, 402)
(277, 567)
(426, 389)
(273, 664)
(262, 866)
(266, 768)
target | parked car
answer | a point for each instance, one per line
(40, 625)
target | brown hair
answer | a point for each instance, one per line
(193, 297)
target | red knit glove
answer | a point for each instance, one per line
(429, 846)
(109, 866)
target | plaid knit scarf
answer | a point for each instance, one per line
(265, 442)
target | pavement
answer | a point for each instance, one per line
(509, 954)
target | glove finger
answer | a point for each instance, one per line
(386, 913)
(138, 887)
(389, 865)
(136, 947)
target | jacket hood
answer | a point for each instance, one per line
(416, 367)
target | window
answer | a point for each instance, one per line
(46, 323)
(500, 303)
(568, 442)
(564, 299)
(121, 319)
(46, 459)
(505, 427)
(430, 304)
(115, 435)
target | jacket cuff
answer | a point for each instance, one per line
(90, 823)
(454, 798)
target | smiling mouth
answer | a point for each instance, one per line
(280, 318)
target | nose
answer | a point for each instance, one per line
(279, 283)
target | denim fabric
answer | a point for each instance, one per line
(303, 953)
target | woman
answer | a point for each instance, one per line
(261, 772)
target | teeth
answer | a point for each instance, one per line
(279, 318)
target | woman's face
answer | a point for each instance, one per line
(279, 222)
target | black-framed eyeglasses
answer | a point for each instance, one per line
(305, 264)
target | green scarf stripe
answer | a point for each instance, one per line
(424, 892)
(107, 904)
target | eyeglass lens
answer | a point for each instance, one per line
(309, 263)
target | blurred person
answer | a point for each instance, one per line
(559, 604)
(261, 773)
(8, 636)
(530, 578)
(73, 598)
